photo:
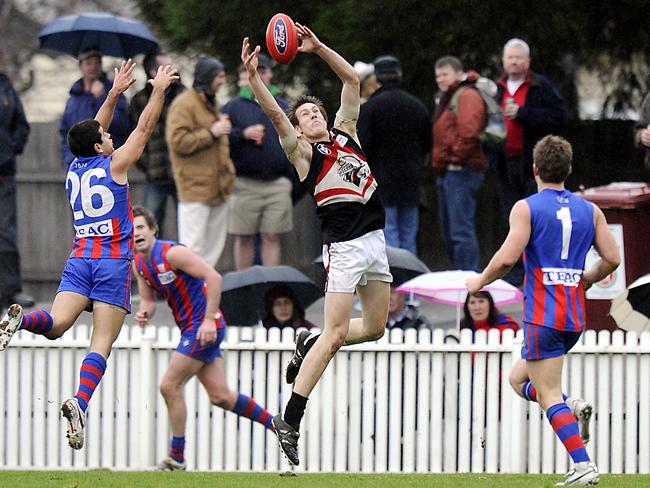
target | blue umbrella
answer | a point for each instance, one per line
(112, 35)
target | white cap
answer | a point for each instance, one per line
(363, 70)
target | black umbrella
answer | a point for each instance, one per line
(631, 309)
(242, 292)
(404, 265)
(112, 35)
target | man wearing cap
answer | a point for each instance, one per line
(197, 137)
(367, 78)
(86, 96)
(261, 200)
(395, 132)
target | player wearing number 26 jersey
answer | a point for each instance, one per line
(562, 231)
(103, 219)
(98, 267)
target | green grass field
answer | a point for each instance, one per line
(104, 478)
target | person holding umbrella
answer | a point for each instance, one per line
(86, 96)
(554, 229)
(97, 273)
(333, 165)
(192, 289)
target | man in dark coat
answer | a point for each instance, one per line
(532, 108)
(14, 131)
(395, 132)
(86, 96)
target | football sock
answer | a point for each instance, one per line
(37, 322)
(529, 392)
(295, 410)
(248, 407)
(565, 426)
(177, 449)
(92, 370)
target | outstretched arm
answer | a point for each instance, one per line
(297, 150)
(132, 149)
(506, 257)
(121, 82)
(348, 114)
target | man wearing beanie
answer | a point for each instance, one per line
(197, 137)
(261, 201)
(395, 133)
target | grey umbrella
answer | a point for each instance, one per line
(242, 292)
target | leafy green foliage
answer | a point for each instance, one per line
(564, 35)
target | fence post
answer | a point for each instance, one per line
(146, 406)
(518, 450)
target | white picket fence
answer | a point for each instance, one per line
(411, 402)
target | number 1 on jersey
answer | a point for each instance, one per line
(564, 216)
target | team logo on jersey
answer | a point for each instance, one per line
(167, 277)
(562, 200)
(95, 229)
(352, 169)
(561, 276)
(341, 139)
(322, 148)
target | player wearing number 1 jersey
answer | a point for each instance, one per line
(554, 229)
(98, 270)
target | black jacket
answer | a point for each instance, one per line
(395, 132)
(14, 128)
(544, 113)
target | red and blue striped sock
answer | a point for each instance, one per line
(248, 407)
(529, 392)
(565, 426)
(177, 449)
(37, 322)
(92, 370)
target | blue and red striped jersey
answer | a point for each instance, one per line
(185, 294)
(101, 208)
(562, 231)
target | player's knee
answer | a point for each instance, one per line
(336, 341)
(220, 397)
(515, 384)
(168, 389)
(377, 333)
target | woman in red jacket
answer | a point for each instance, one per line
(482, 314)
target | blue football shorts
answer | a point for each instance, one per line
(545, 342)
(190, 346)
(103, 279)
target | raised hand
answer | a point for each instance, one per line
(249, 59)
(164, 77)
(309, 43)
(123, 76)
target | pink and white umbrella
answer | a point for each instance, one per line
(449, 287)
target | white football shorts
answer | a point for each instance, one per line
(353, 263)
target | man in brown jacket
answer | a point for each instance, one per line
(458, 159)
(197, 136)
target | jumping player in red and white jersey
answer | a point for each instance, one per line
(98, 271)
(352, 220)
(554, 229)
(192, 289)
